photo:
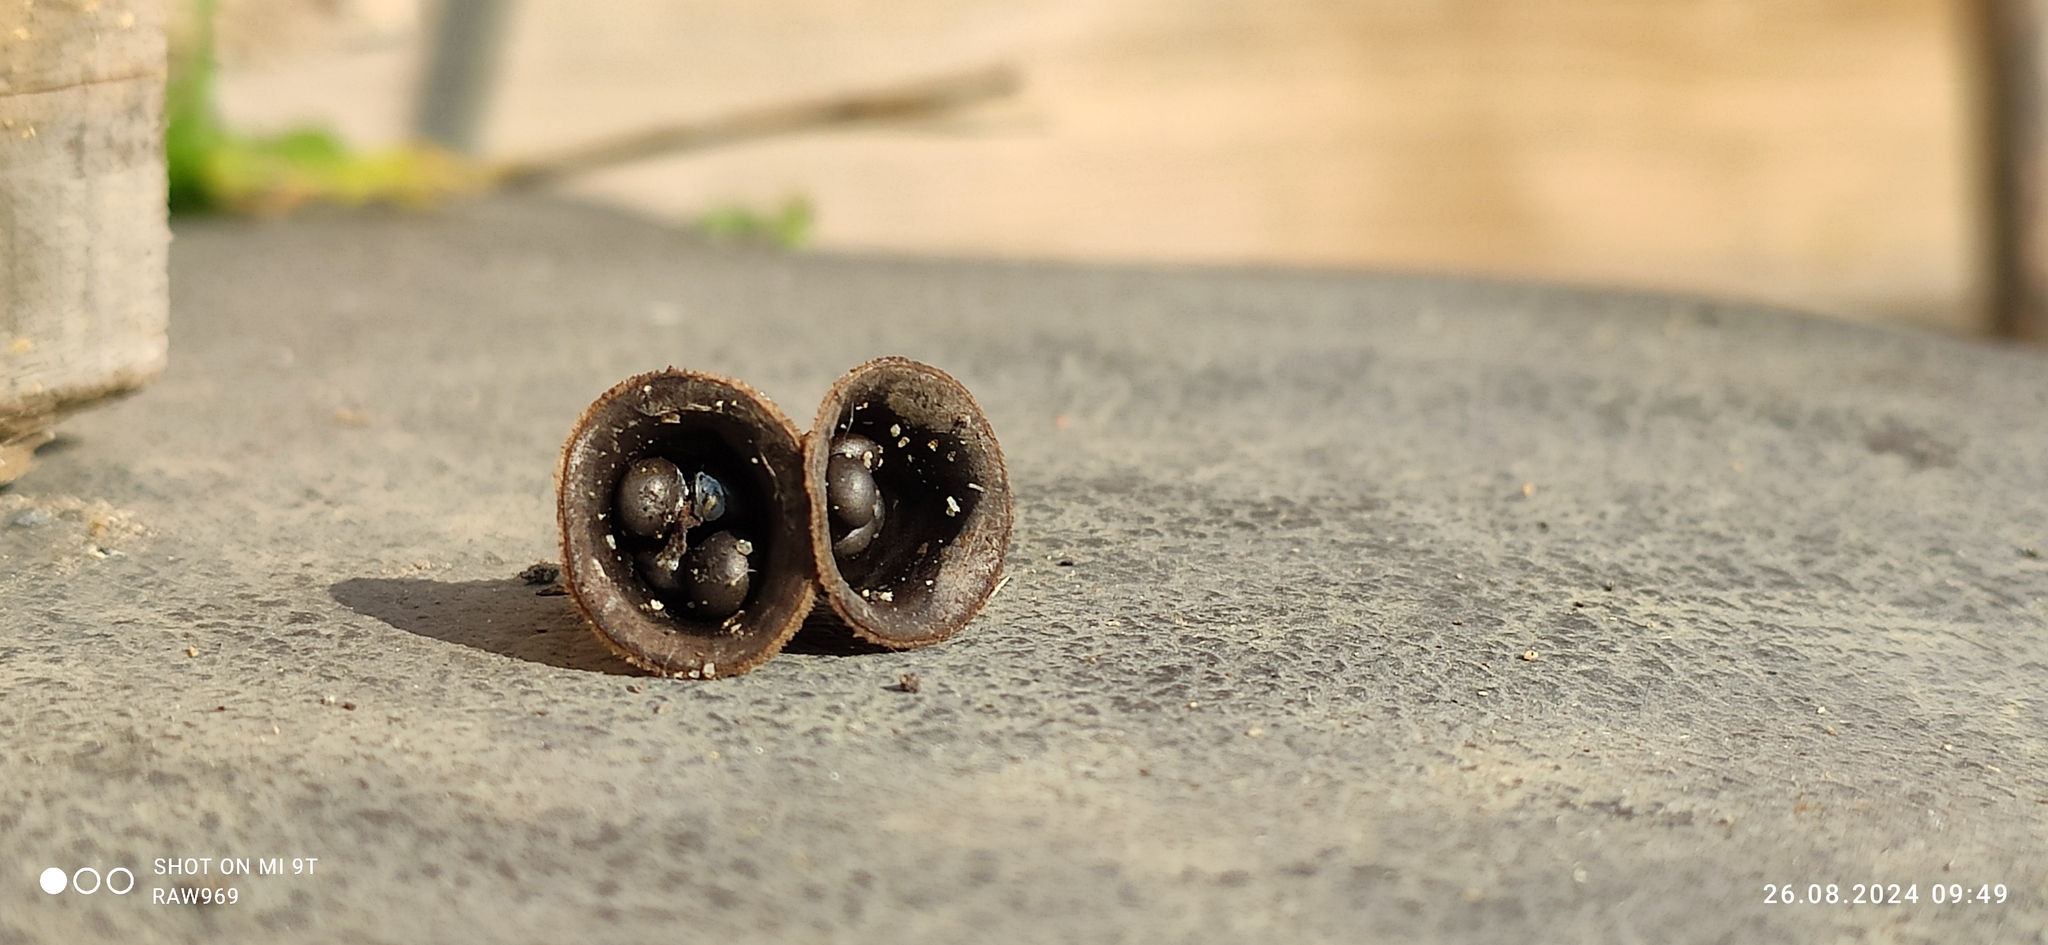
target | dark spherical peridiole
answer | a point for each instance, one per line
(670, 591)
(925, 554)
(714, 576)
(853, 503)
(650, 496)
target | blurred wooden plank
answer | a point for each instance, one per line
(1822, 153)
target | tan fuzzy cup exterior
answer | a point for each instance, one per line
(667, 413)
(948, 504)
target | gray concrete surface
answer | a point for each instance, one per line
(1285, 544)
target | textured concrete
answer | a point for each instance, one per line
(1286, 545)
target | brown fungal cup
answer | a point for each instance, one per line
(942, 497)
(732, 513)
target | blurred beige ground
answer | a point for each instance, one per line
(1812, 152)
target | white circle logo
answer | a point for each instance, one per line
(53, 880)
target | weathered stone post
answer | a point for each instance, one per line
(83, 239)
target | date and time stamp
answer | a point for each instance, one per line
(1885, 894)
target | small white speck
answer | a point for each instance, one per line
(976, 487)
(895, 429)
(743, 546)
(952, 507)
(693, 674)
(612, 542)
(927, 582)
(902, 441)
(932, 445)
(887, 595)
(710, 670)
(655, 605)
(647, 388)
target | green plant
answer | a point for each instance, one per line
(787, 226)
(213, 169)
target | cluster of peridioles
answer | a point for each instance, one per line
(699, 527)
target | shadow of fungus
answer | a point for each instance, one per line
(824, 634)
(504, 617)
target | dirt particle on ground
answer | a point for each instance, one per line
(1530, 656)
(192, 651)
(908, 682)
(541, 574)
(1920, 449)
(74, 529)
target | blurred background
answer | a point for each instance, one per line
(1816, 153)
